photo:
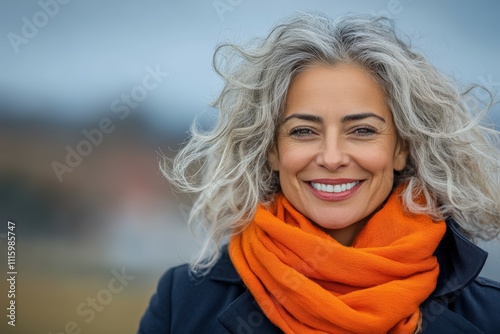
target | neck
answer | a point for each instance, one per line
(346, 236)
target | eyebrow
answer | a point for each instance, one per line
(357, 117)
(344, 119)
(305, 117)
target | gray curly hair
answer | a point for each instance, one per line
(454, 160)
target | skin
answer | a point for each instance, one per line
(337, 129)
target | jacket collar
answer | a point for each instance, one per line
(460, 262)
(224, 270)
(243, 315)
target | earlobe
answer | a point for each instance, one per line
(273, 158)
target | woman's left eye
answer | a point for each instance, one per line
(365, 131)
(301, 132)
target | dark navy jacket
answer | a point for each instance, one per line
(220, 303)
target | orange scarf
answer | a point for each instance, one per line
(307, 282)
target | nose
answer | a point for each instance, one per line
(332, 154)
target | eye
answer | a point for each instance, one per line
(365, 131)
(301, 132)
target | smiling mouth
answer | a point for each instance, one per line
(337, 188)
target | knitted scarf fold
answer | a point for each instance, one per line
(307, 282)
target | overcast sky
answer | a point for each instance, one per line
(84, 54)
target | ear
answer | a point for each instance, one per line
(400, 155)
(274, 158)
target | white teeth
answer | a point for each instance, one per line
(338, 188)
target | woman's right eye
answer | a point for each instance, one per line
(300, 132)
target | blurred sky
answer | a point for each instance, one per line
(65, 66)
(92, 51)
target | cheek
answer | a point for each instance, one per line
(376, 161)
(294, 158)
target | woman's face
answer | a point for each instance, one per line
(337, 148)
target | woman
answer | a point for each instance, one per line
(337, 192)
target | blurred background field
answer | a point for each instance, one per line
(141, 70)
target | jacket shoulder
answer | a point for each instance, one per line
(479, 303)
(482, 291)
(184, 303)
(157, 317)
(488, 284)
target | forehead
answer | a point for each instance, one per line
(336, 89)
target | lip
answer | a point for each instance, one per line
(334, 196)
(334, 181)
